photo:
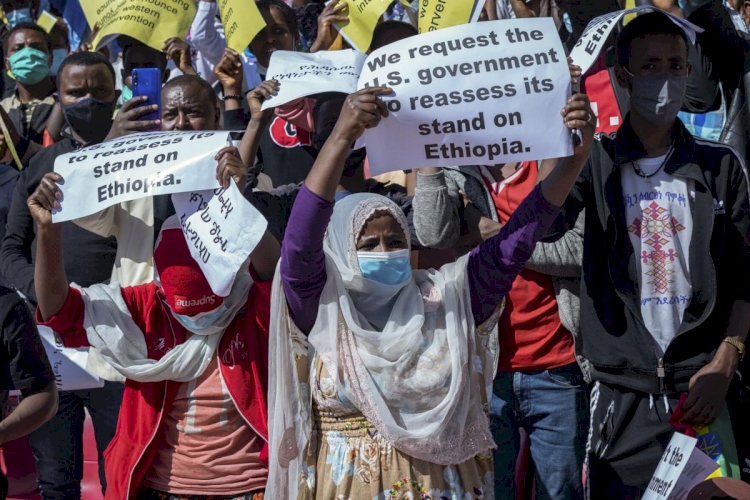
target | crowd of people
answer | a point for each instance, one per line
(401, 336)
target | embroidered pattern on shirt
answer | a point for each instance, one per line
(656, 228)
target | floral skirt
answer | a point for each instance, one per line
(353, 462)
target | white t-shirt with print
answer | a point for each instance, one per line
(660, 225)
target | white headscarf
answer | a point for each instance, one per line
(418, 380)
(114, 334)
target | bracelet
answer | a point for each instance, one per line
(232, 97)
(737, 345)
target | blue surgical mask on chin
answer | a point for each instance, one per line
(19, 16)
(388, 268)
(58, 55)
(200, 322)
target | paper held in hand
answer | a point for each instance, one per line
(598, 30)
(477, 94)
(147, 21)
(136, 166)
(221, 228)
(439, 14)
(68, 364)
(301, 74)
(682, 466)
(363, 18)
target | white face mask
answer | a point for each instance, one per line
(202, 321)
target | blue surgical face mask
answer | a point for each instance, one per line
(568, 23)
(127, 94)
(201, 321)
(19, 16)
(388, 268)
(29, 66)
(58, 55)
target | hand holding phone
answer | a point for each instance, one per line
(147, 83)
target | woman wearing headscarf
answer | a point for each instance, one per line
(380, 375)
(193, 423)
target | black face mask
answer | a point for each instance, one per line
(90, 118)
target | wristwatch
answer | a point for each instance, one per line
(736, 343)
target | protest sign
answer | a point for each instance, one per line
(484, 93)
(242, 21)
(136, 166)
(363, 17)
(682, 466)
(439, 14)
(222, 228)
(301, 74)
(68, 364)
(598, 30)
(148, 21)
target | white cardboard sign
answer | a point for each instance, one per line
(682, 466)
(136, 166)
(300, 74)
(598, 30)
(476, 94)
(221, 228)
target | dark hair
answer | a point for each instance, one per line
(290, 17)
(386, 27)
(85, 59)
(652, 23)
(187, 80)
(28, 26)
(128, 44)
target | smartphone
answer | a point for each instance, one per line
(147, 82)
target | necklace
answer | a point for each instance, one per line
(647, 177)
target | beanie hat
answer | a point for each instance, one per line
(186, 289)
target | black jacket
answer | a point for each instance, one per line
(729, 52)
(88, 258)
(614, 337)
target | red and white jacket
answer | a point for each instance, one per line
(243, 362)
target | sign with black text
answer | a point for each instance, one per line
(221, 228)
(682, 466)
(483, 93)
(136, 166)
(301, 74)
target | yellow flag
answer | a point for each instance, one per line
(363, 17)
(47, 21)
(148, 21)
(439, 14)
(242, 21)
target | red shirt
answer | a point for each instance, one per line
(532, 336)
(243, 364)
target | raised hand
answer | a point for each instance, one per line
(127, 120)
(230, 168)
(45, 198)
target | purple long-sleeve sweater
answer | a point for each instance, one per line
(493, 265)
